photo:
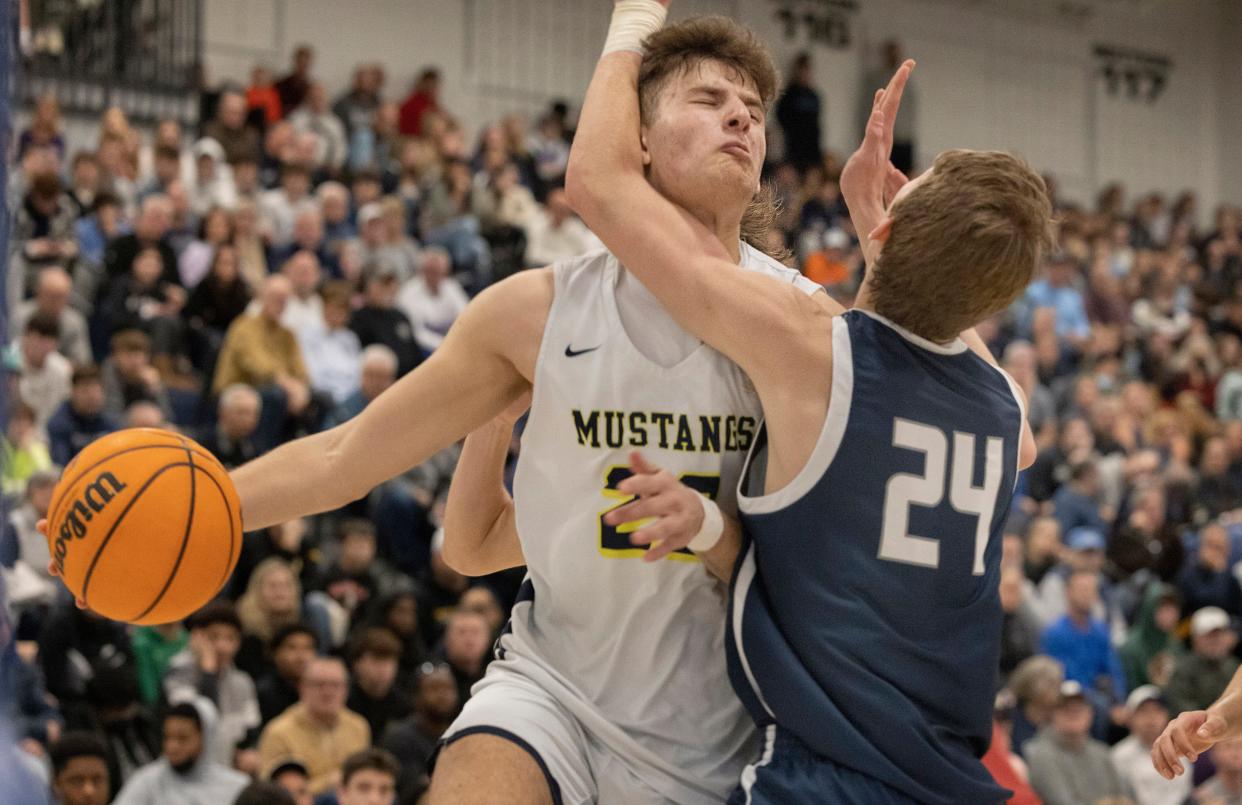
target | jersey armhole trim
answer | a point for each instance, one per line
(554, 788)
(830, 435)
(742, 581)
(1017, 398)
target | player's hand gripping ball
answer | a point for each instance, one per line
(144, 526)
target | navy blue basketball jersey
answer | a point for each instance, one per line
(865, 618)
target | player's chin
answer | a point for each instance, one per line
(736, 175)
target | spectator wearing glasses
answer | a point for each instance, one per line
(318, 730)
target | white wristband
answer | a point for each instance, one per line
(632, 22)
(712, 529)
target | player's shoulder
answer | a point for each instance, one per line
(532, 286)
(573, 267)
(755, 260)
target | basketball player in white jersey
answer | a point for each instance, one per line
(611, 680)
(611, 684)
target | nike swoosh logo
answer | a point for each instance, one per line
(570, 352)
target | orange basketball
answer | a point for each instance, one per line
(144, 526)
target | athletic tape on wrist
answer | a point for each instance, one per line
(712, 529)
(632, 22)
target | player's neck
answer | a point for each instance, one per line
(726, 226)
(862, 300)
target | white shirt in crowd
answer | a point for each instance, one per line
(1133, 762)
(431, 313)
(301, 314)
(278, 213)
(216, 190)
(333, 359)
(45, 388)
(333, 145)
(547, 243)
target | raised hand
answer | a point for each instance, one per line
(204, 653)
(672, 510)
(869, 181)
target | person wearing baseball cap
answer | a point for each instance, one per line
(1085, 538)
(1084, 553)
(1202, 675)
(1147, 715)
(293, 777)
(1066, 763)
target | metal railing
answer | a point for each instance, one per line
(142, 55)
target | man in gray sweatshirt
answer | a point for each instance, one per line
(1069, 767)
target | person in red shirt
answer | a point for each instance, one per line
(423, 99)
(1007, 768)
(262, 95)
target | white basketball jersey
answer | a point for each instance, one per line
(635, 651)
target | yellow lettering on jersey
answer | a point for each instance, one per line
(613, 542)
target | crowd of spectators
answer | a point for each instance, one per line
(272, 273)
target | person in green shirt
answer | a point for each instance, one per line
(1154, 633)
(154, 646)
(23, 451)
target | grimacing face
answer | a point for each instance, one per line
(704, 143)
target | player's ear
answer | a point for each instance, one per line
(882, 230)
(642, 139)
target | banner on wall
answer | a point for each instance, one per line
(822, 22)
(1134, 74)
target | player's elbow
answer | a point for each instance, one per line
(593, 188)
(469, 553)
(1027, 449)
(461, 556)
(580, 191)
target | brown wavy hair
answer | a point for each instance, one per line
(678, 48)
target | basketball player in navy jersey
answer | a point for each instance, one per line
(864, 631)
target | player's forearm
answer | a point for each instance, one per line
(608, 130)
(470, 379)
(294, 480)
(1229, 705)
(865, 215)
(480, 528)
(722, 558)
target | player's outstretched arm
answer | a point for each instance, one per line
(753, 319)
(480, 523)
(483, 366)
(1196, 731)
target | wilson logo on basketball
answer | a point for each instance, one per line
(93, 500)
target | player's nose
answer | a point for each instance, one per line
(737, 116)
